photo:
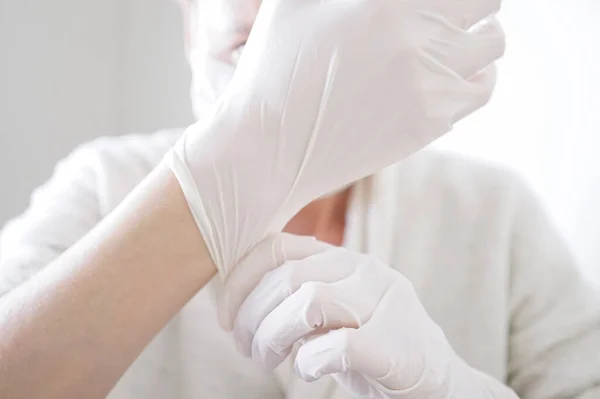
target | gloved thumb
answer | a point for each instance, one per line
(269, 254)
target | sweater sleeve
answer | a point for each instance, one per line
(554, 345)
(61, 212)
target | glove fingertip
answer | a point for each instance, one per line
(323, 355)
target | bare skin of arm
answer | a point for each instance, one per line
(73, 329)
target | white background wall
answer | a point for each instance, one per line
(544, 119)
(71, 70)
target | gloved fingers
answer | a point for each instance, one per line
(266, 256)
(463, 14)
(353, 381)
(306, 368)
(278, 285)
(339, 351)
(475, 93)
(467, 53)
(309, 310)
(386, 350)
(456, 98)
(317, 306)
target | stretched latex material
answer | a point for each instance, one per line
(326, 93)
(353, 318)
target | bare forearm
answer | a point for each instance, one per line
(72, 330)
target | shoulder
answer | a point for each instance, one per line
(86, 185)
(144, 150)
(458, 170)
(456, 177)
(83, 188)
(115, 164)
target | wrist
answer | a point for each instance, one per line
(232, 192)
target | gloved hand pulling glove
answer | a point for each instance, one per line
(355, 318)
(326, 93)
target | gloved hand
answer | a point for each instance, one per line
(355, 319)
(325, 94)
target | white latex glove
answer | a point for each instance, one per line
(355, 318)
(326, 93)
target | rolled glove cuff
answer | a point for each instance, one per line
(175, 160)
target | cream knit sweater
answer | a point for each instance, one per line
(484, 259)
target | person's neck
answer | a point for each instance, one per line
(324, 218)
